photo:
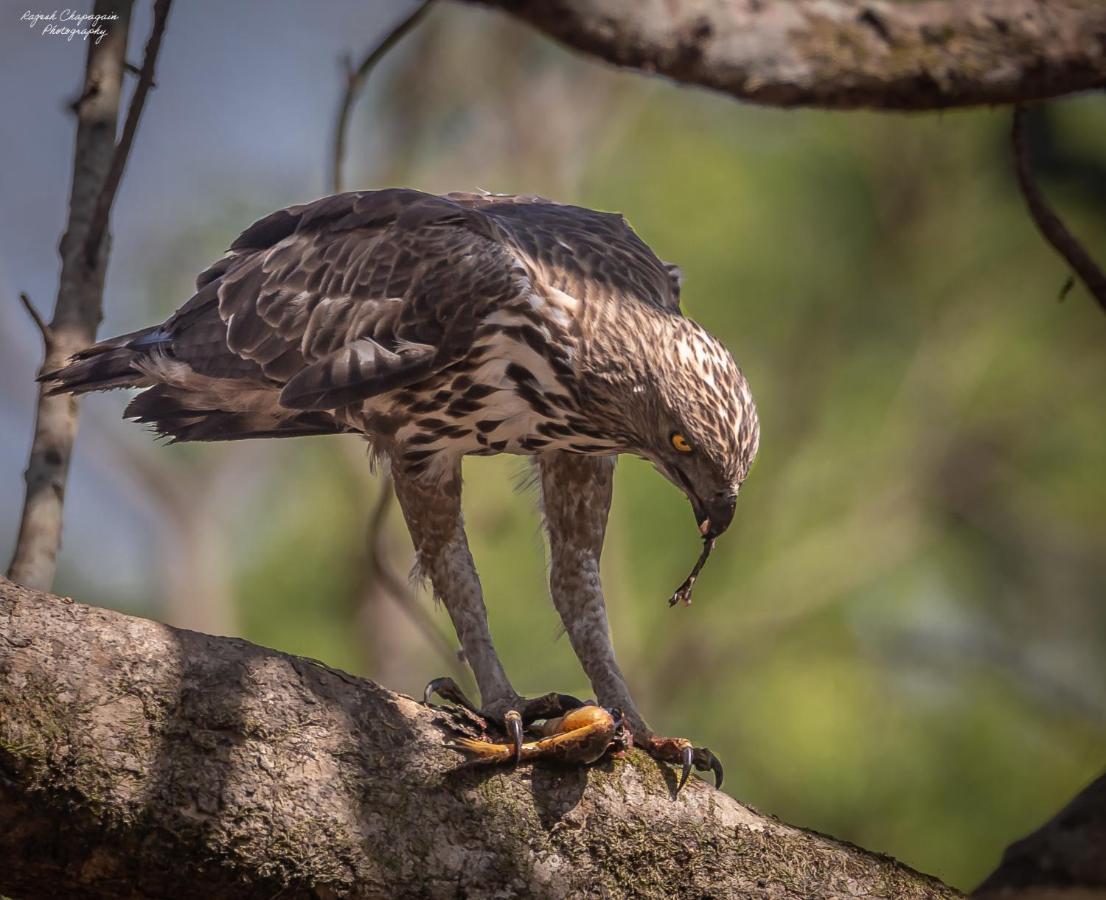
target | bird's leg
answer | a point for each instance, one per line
(432, 509)
(576, 499)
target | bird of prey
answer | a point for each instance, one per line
(440, 326)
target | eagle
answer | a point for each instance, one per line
(439, 326)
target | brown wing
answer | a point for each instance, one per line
(346, 297)
(337, 300)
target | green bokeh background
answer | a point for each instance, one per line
(901, 640)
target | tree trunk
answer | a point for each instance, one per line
(137, 760)
(77, 311)
(840, 54)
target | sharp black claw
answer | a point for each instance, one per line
(448, 690)
(687, 755)
(431, 689)
(513, 721)
(716, 768)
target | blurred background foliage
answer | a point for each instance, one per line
(902, 640)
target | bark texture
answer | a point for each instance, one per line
(882, 54)
(77, 311)
(137, 760)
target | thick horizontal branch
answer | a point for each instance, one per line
(140, 760)
(883, 54)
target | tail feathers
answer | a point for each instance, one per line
(181, 416)
(102, 367)
(177, 412)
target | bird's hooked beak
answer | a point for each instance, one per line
(714, 517)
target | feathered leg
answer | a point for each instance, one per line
(432, 509)
(576, 499)
(433, 513)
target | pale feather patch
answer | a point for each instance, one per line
(215, 393)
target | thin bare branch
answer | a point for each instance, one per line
(355, 81)
(131, 69)
(375, 543)
(98, 225)
(36, 317)
(1048, 222)
(379, 571)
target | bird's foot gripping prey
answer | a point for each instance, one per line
(439, 327)
(579, 737)
(570, 732)
(515, 715)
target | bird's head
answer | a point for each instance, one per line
(698, 425)
(705, 430)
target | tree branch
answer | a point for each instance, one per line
(926, 54)
(1050, 225)
(36, 317)
(377, 575)
(77, 309)
(136, 759)
(99, 223)
(355, 80)
(1063, 858)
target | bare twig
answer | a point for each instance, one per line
(378, 570)
(375, 550)
(98, 225)
(36, 317)
(355, 80)
(131, 69)
(1048, 222)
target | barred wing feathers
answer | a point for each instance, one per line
(331, 302)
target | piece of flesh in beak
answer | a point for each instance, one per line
(682, 594)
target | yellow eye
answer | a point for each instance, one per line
(681, 443)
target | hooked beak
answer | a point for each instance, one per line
(714, 516)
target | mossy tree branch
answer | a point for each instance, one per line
(141, 760)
